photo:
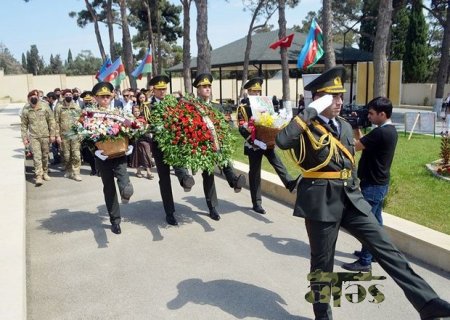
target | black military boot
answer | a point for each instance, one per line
(213, 214)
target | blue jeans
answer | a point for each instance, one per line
(374, 195)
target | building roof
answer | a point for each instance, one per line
(231, 56)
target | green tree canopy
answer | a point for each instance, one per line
(55, 66)
(84, 64)
(8, 63)
(35, 63)
(416, 53)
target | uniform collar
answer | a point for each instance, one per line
(326, 120)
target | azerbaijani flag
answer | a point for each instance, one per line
(312, 51)
(114, 74)
(105, 65)
(145, 67)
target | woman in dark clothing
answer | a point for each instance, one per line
(141, 158)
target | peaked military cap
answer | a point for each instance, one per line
(103, 89)
(331, 81)
(254, 84)
(159, 82)
(86, 96)
(203, 79)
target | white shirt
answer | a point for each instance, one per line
(326, 120)
(128, 107)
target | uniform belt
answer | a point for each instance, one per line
(342, 175)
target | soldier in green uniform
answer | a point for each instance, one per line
(112, 168)
(66, 114)
(255, 153)
(38, 129)
(159, 85)
(329, 196)
(203, 84)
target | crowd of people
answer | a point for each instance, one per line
(329, 194)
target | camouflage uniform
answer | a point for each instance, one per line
(66, 114)
(38, 125)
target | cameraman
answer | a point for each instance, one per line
(378, 148)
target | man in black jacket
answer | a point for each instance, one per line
(255, 153)
(203, 84)
(159, 84)
(329, 197)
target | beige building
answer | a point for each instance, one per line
(14, 88)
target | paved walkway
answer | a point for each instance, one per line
(246, 266)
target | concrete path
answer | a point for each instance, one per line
(246, 266)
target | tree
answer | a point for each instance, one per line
(257, 8)
(203, 44)
(35, 63)
(84, 64)
(56, 65)
(283, 50)
(8, 63)
(379, 50)
(368, 25)
(187, 45)
(400, 23)
(165, 28)
(327, 19)
(440, 9)
(69, 57)
(150, 36)
(306, 22)
(416, 55)
(341, 25)
(85, 17)
(100, 11)
(126, 43)
(24, 61)
(109, 22)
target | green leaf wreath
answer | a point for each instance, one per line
(191, 134)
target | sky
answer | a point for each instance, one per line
(46, 23)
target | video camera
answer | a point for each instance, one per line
(357, 116)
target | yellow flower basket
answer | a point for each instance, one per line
(267, 135)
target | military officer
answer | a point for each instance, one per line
(329, 197)
(255, 153)
(110, 168)
(38, 129)
(203, 84)
(66, 114)
(88, 100)
(159, 84)
(87, 149)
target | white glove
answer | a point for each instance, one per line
(100, 155)
(322, 103)
(316, 107)
(260, 144)
(129, 151)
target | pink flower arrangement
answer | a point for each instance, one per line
(95, 125)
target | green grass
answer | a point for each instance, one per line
(415, 194)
